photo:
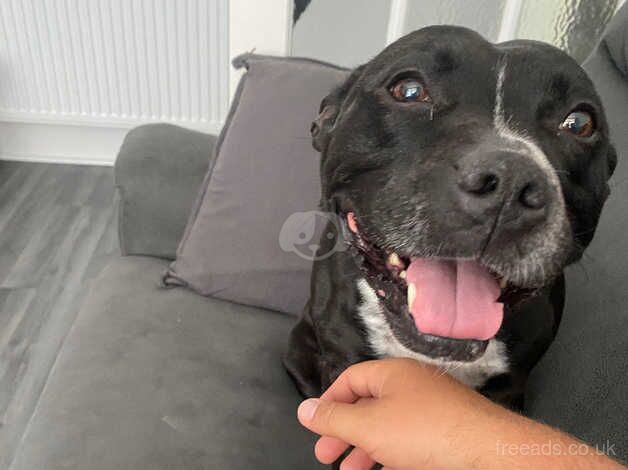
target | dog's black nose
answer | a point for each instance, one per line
(503, 181)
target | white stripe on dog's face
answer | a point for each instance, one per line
(515, 140)
(515, 137)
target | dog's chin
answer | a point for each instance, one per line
(386, 274)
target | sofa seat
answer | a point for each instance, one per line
(156, 378)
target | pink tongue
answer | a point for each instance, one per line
(454, 299)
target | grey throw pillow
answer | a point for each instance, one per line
(264, 180)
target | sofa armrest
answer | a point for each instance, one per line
(158, 172)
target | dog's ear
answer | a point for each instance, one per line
(323, 124)
(331, 105)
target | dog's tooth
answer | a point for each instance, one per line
(403, 274)
(394, 260)
(411, 295)
(503, 283)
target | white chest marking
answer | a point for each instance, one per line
(384, 344)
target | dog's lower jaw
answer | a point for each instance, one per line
(383, 343)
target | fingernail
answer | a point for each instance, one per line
(307, 409)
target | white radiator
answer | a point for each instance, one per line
(114, 62)
(108, 64)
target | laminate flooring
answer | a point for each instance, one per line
(58, 229)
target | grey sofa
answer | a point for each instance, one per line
(157, 378)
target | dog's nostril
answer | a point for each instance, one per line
(532, 196)
(489, 184)
(479, 183)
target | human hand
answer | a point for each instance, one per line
(407, 415)
(398, 412)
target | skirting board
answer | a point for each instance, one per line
(77, 144)
(56, 159)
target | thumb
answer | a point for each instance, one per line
(330, 418)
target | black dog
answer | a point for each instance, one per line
(466, 176)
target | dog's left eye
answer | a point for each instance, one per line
(409, 90)
(579, 123)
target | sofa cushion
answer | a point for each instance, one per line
(160, 378)
(265, 172)
(581, 384)
(158, 172)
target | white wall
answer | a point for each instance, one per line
(263, 26)
(343, 32)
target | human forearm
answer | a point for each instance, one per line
(409, 416)
(511, 441)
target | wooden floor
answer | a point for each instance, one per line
(57, 231)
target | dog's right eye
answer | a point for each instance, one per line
(579, 123)
(409, 90)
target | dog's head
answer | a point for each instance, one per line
(467, 173)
